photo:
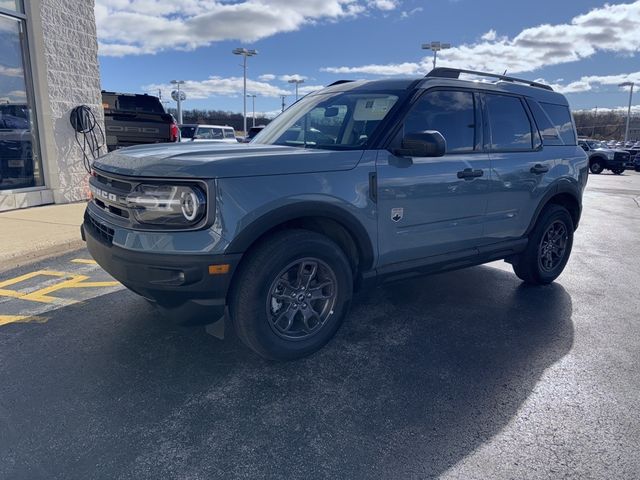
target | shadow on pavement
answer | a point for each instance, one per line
(421, 374)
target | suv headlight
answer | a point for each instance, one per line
(176, 206)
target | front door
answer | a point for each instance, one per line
(429, 206)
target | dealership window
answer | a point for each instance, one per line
(20, 165)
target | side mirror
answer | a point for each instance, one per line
(429, 143)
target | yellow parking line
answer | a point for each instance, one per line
(84, 260)
(7, 319)
(27, 276)
(42, 295)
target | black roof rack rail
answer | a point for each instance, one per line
(445, 72)
(339, 82)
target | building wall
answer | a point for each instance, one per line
(64, 62)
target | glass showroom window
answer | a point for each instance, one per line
(19, 155)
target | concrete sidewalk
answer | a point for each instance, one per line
(35, 233)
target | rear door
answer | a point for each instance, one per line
(429, 206)
(520, 166)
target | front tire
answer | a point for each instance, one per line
(549, 247)
(596, 167)
(291, 295)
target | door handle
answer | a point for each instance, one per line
(539, 168)
(469, 174)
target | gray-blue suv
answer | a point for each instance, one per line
(358, 183)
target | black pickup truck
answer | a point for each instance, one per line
(135, 119)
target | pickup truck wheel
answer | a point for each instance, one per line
(596, 167)
(548, 249)
(291, 295)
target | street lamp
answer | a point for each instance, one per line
(178, 98)
(297, 81)
(282, 97)
(245, 53)
(253, 98)
(628, 84)
(435, 47)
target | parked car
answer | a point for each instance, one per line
(601, 157)
(207, 133)
(633, 151)
(636, 163)
(136, 119)
(358, 183)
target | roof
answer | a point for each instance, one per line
(449, 77)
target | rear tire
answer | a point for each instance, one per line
(596, 167)
(291, 294)
(548, 249)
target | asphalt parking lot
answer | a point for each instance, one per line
(467, 374)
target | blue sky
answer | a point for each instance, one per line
(583, 47)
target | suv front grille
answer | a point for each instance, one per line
(622, 156)
(110, 194)
(103, 232)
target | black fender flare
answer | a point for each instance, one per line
(305, 209)
(561, 186)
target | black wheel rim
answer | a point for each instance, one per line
(553, 246)
(301, 299)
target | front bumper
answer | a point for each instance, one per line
(169, 279)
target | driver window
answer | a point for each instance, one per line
(450, 113)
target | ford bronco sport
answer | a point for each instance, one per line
(357, 183)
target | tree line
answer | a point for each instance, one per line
(606, 125)
(218, 117)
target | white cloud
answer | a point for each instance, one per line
(218, 86)
(10, 71)
(490, 36)
(611, 28)
(591, 82)
(407, 68)
(267, 77)
(295, 76)
(410, 13)
(133, 27)
(384, 4)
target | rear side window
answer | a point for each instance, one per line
(550, 135)
(561, 118)
(509, 123)
(139, 103)
(228, 133)
(450, 113)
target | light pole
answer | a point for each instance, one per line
(245, 53)
(628, 84)
(253, 118)
(283, 97)
(178, 98)
(435, 47)
(297, 81)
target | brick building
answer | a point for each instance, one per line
(48, 66)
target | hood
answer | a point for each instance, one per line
(206, 160)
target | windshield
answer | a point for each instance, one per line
(343, 120)
(597, 145)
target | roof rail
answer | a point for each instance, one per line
(444, 72)
(339, 82)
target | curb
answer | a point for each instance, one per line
(31, 257)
